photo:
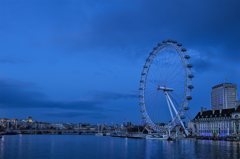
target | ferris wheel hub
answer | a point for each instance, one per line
(164, 88)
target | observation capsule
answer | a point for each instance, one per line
(164, 41)
(140, 96)
(189, 65)
(190, 87)
(145, 66)
(141, 81)
(143, 74)
(189, 98)
(183, 49)
(174, 41)
(141, 104)
(148, 60)
(186, 108)
(169, 40)
(190, 76)
(187, 57)
(144, 117)
(151, 53)
(142, 111)
(182, 117)
(140, 89)
(159, 44)
(179, 44)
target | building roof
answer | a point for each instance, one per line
(225, 113)
(238, 109)
(223, 84)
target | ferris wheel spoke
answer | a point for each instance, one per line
(159, 111)
(156, 72)
(153, 104)
(172, 73)
(151, 98)
(150, 86)
(153, 82)
(151, 94)
(175, 72)
(160, 65)
(153, 77)
(177, 96)
(158, 106)
(161, 105)
(175, 79)
(171, 67)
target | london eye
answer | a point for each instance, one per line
(165, 87)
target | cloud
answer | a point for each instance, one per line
(212, 59)
(105, 96)
(76, 114)
(98, 28)
(11, 61)
(15, 94)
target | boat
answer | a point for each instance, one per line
(108, 134)
(10, 133)
(99, 134)
(135, 136)
(116, 134)
(158, 137)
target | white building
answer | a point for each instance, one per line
(224, 94)
(221, 122)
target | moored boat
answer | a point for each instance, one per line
(135, 136)
(10, 133)
(158, 137)
(99, 134)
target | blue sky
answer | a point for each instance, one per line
(81, 61)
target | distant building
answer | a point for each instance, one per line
(224, 94)
(221, 122)
(29, 119)
(129, 123)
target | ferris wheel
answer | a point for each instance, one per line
(165, 87)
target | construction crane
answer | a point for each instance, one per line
(113, 122)
(124, 121)
(107, 121)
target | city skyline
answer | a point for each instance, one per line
(82, 61)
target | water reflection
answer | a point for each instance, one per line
(87, 146)
(2, 146)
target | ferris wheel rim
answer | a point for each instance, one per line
(144, 74)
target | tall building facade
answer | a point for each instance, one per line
(224, 95)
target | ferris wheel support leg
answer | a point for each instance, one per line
(169, 106)
(187, 133)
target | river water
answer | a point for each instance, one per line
(89, 146)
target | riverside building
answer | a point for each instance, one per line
(224, 117)
(221, 122)
(224, 94)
